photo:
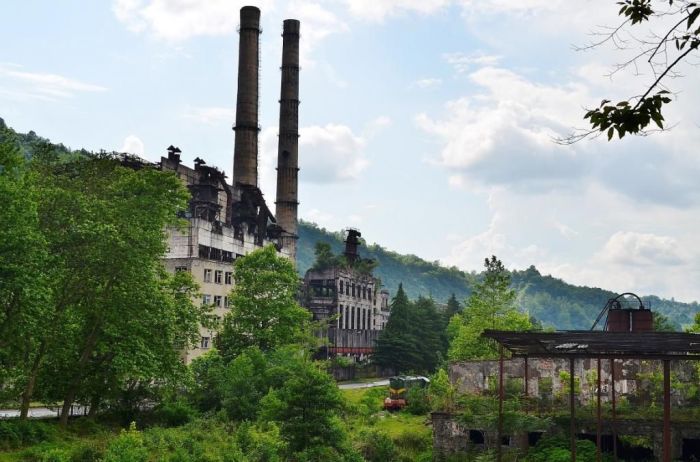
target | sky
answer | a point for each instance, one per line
(426, 124)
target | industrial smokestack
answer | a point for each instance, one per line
(245, 152)
(288, 149)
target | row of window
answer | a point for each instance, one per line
(220, 277)
(218, 300)
(363, 292)
(353, 318)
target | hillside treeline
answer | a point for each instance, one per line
(549, 300)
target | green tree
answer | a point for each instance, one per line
(325, 258)
(397, 345)
(306, 409)
(264, 311)
(663, 324)
(491, 306)
(116, 310)
(453, 307)
(24, 299)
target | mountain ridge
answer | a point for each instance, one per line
(550, 300)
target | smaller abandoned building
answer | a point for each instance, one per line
(348, 296)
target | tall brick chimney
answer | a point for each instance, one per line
(288, 149)
(245, 152)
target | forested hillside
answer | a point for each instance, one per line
(548, 299)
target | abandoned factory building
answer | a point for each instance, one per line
(348, 296)
(229, 220)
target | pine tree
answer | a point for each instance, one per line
(396, 347)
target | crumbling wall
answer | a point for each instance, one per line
(481, 376)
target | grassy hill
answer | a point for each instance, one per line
(550, 300)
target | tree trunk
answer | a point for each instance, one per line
(69, 397)
(28, 391)
(94, 405)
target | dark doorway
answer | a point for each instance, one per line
(533, 438)
(476, 437)
(691, 449)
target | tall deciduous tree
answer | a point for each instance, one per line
(116, 311)
(264, 311)
(491, 306)
(24, 298)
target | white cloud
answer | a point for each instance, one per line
(378, 10)
(317, 23)
(463, 62)
(427, 82)
(565, 230)
(327, 154)
(332, 153)
(211, 115)
(44, 86)
(319, 217)
(176, 20)
(636, 249)
(133, 145)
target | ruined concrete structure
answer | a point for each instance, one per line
(547, 380)
(229, 220)
(353, 297)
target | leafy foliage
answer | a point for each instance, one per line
(264, 311)
(87, 308)
(659, 53)
(491, 306)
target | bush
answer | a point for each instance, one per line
(87, 453)
(17, 433)
(556, 449)
(413, 440)
(175, 413)
(127, 447)
(376, 446)
(55, 455)
(417, 401)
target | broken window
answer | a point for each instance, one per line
(217, 300)
(206, 299)
(228, 277)
(218, 276)
(204, 344)
(207, 275)
(226, 302)
(341, 286)
(179, 269)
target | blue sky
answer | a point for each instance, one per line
(427, 124)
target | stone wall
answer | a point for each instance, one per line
(480, 376)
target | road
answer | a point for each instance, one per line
(40, 412)
(352, 386)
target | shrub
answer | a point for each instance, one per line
(175, 413)
(127, 447)
(376, 446)
(16, 433)
(87, 453)
(413, 440)
(55, 455)
(417, 401)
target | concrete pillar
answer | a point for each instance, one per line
(288, 148)
(245, 153)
